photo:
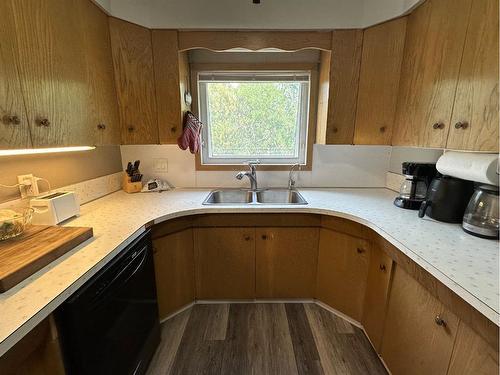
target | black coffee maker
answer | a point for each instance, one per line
(447, 198)
(413, 190)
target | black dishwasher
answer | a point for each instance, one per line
(110, 325)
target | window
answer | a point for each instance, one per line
(254, 115)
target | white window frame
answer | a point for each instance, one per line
(304, 76)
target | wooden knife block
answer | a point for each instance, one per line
(130, 187)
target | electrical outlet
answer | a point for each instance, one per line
(28, 185)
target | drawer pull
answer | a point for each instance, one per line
(360, 250)
(101, 126)
(440, 321)
(264, 237)
(438, 125)
(382, 267)
(247, 238)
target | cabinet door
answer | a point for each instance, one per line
(174, 270)
(472, 355)
(37, 353)
(413, 341)
(14, 128)
(379, 82)
(342, 272)
(171, 72)
(105, 123)
(53, 72)
(377, 295)
(343, 89)
(225, 263)
(286, 262)
(435, 36)
(476, 101)
(134, 76)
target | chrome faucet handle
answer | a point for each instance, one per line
(291, 181)
(252, 164)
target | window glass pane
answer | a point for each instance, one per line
(253, 119)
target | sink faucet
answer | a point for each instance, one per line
(251, 174)
(291, 180)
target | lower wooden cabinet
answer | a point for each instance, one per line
(342, 272)
(286, 261)
(472, 355)
(419, 331)
(224, 263)
(37, 353)
(377, 295)
(174, 271)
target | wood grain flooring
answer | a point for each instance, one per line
(267, 338)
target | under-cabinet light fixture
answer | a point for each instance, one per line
(50, 150)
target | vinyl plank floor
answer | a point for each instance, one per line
(261, 339)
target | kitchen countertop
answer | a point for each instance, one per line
(468, 265)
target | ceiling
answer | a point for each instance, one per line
(270, 14)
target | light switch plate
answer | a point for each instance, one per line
(160, 165)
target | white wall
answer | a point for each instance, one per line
(333, 166)
(270, 14)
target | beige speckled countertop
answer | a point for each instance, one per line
(466, 264)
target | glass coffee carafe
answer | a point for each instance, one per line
(481, 217)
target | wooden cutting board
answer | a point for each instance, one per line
(39, 245)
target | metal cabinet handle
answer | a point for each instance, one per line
(461, 125)
(11, 120)
(43, 122)
(440, 321)
(382, 267)
(101, 126)
(438, 125)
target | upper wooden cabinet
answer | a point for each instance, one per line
(474, 124)
(14, 128)
(104, 120)
(135, 82)
(51, 63)
(343, 88)
(435, 38)
(379, 82)
(171, 70)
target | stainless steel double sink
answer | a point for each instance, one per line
(266, 196)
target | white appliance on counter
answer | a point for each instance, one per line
(54, 208)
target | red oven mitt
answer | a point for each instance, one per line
(190, 134)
